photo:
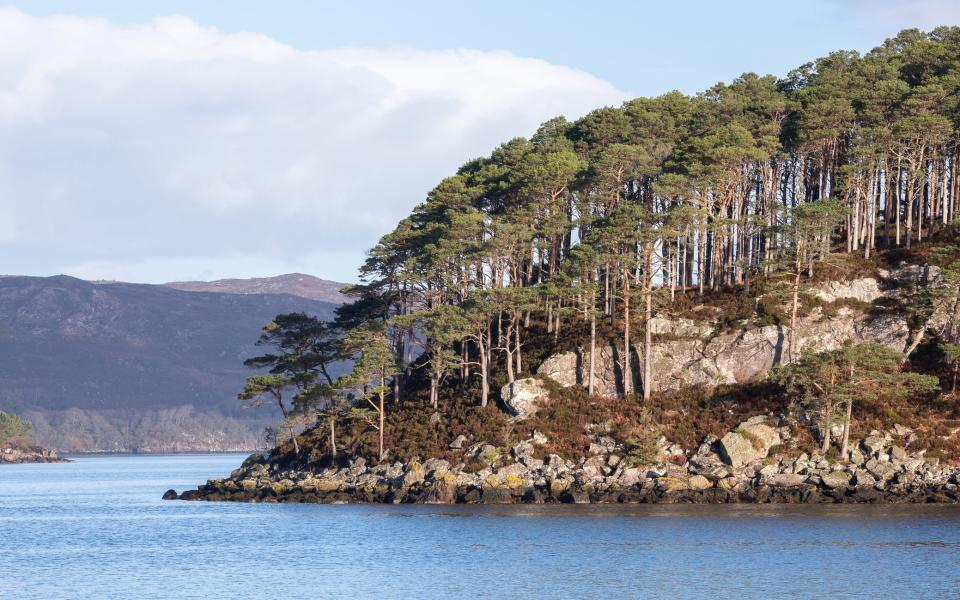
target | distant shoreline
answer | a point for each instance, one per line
(185, 453)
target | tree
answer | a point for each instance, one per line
(808, 233)
(682, 192)
(374, 364)
(263, 389)
(302, 349)
(584, 267)
(13, 428)
(833, 381)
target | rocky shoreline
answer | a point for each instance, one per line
(33, 454)
(746, 465)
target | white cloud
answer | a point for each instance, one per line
(167, 150)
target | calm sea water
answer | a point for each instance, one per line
(96, 528)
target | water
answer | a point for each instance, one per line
(96, 528)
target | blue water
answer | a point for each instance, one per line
(96, 528)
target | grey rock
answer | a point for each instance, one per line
(749, 442)
(522, 396)
(862, 477)
(631, 476)
(737, 450)
(836, 479)
(856, 457)
(874, 444)
(784, 479)
(882, 471)
(898, 453)
(866, 289)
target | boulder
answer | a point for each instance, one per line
(835, 479)
(898, 453)
(170, 495)
(631, 476)
(458, 442)
(856, 457)
(737, 450)
(862, 478)
(708, 465)
(414, 474)
(538, 439)
(749, 442)
(562, 368)
(699, 482)
(521, 397)
(881, 470)
(874, 444)
(595, 468)
(784, 479)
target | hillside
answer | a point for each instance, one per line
(119, 366)
(295, 284)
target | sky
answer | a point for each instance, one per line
(160, 141)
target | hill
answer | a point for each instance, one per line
(295, 284)
(120, 366)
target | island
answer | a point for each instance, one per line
(747, 295)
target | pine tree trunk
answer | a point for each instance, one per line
(627, 370)
(593, 352)
(484, 374)
(793, 310)
(382, 412)
(647, 346)
(333, 437)
(846, 430)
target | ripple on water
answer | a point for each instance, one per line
(96, 528)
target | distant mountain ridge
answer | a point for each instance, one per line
(104, 366)
(296, 284)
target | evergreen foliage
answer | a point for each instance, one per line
(598, 224)
(13, 428)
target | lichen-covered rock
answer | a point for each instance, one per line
(836, 479)
(748, 443)
(737, 450)
(866, 289)
(413, 475)
(784, 479)
(521, 397)
(891, 473)
(699, 482)
(692, 354)
(563, 368)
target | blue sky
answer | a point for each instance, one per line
(153, 141)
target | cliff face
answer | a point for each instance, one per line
(690, 352)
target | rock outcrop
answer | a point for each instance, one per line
(32, 454)
(687, 352)
(738, 467)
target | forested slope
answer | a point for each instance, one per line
(739, 200)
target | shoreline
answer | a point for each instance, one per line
(29, 456)
(738, 468)
(187, 453)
